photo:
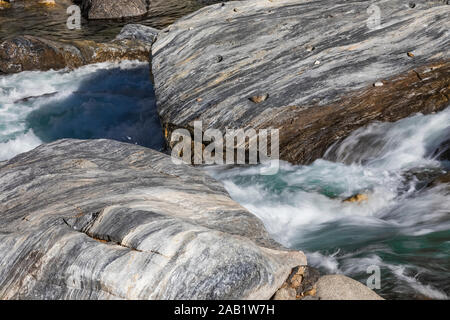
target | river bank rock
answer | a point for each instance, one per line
(339, 287)
(25, 53)
(315, 62)
(100, 219)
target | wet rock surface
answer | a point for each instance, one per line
(100, 219)
(309, 68)
(25, 53)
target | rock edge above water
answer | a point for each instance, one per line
(324, 72)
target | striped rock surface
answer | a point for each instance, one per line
(100, 219)
(315, 69)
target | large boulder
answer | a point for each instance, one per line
(316, 70)
(113, 9)
(24, 53)
(101, 219)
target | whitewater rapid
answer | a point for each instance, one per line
(106, 100)
(403, 227)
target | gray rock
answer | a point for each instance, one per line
(315, 61)
(100, 219)
(339, 287)
(113, 9)
(138, 32)
(285, 294)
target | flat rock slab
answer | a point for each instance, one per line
(100, 219)
(316, 70)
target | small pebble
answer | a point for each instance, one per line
(378, 84)
(259, 99)
(410, 54)
(310, 48)
(219, 58)
(412, 5)
(317, 62)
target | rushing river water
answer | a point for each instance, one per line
(403, 227)
(103, 100)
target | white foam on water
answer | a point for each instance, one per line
(104, 100)
(304, 204)
(398, 146)
(327, 262)
(313, 194)
(21, 143)
(427, 290)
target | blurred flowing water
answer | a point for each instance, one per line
(404, 225)
(105, 100)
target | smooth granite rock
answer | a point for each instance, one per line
(24, 53)
(100, 219)
(316, 70)
(339, 287)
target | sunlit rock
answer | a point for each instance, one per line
(317, 61)
(100, 219)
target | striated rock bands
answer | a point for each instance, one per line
(316, 70)
(34, 53)
(101, 219)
